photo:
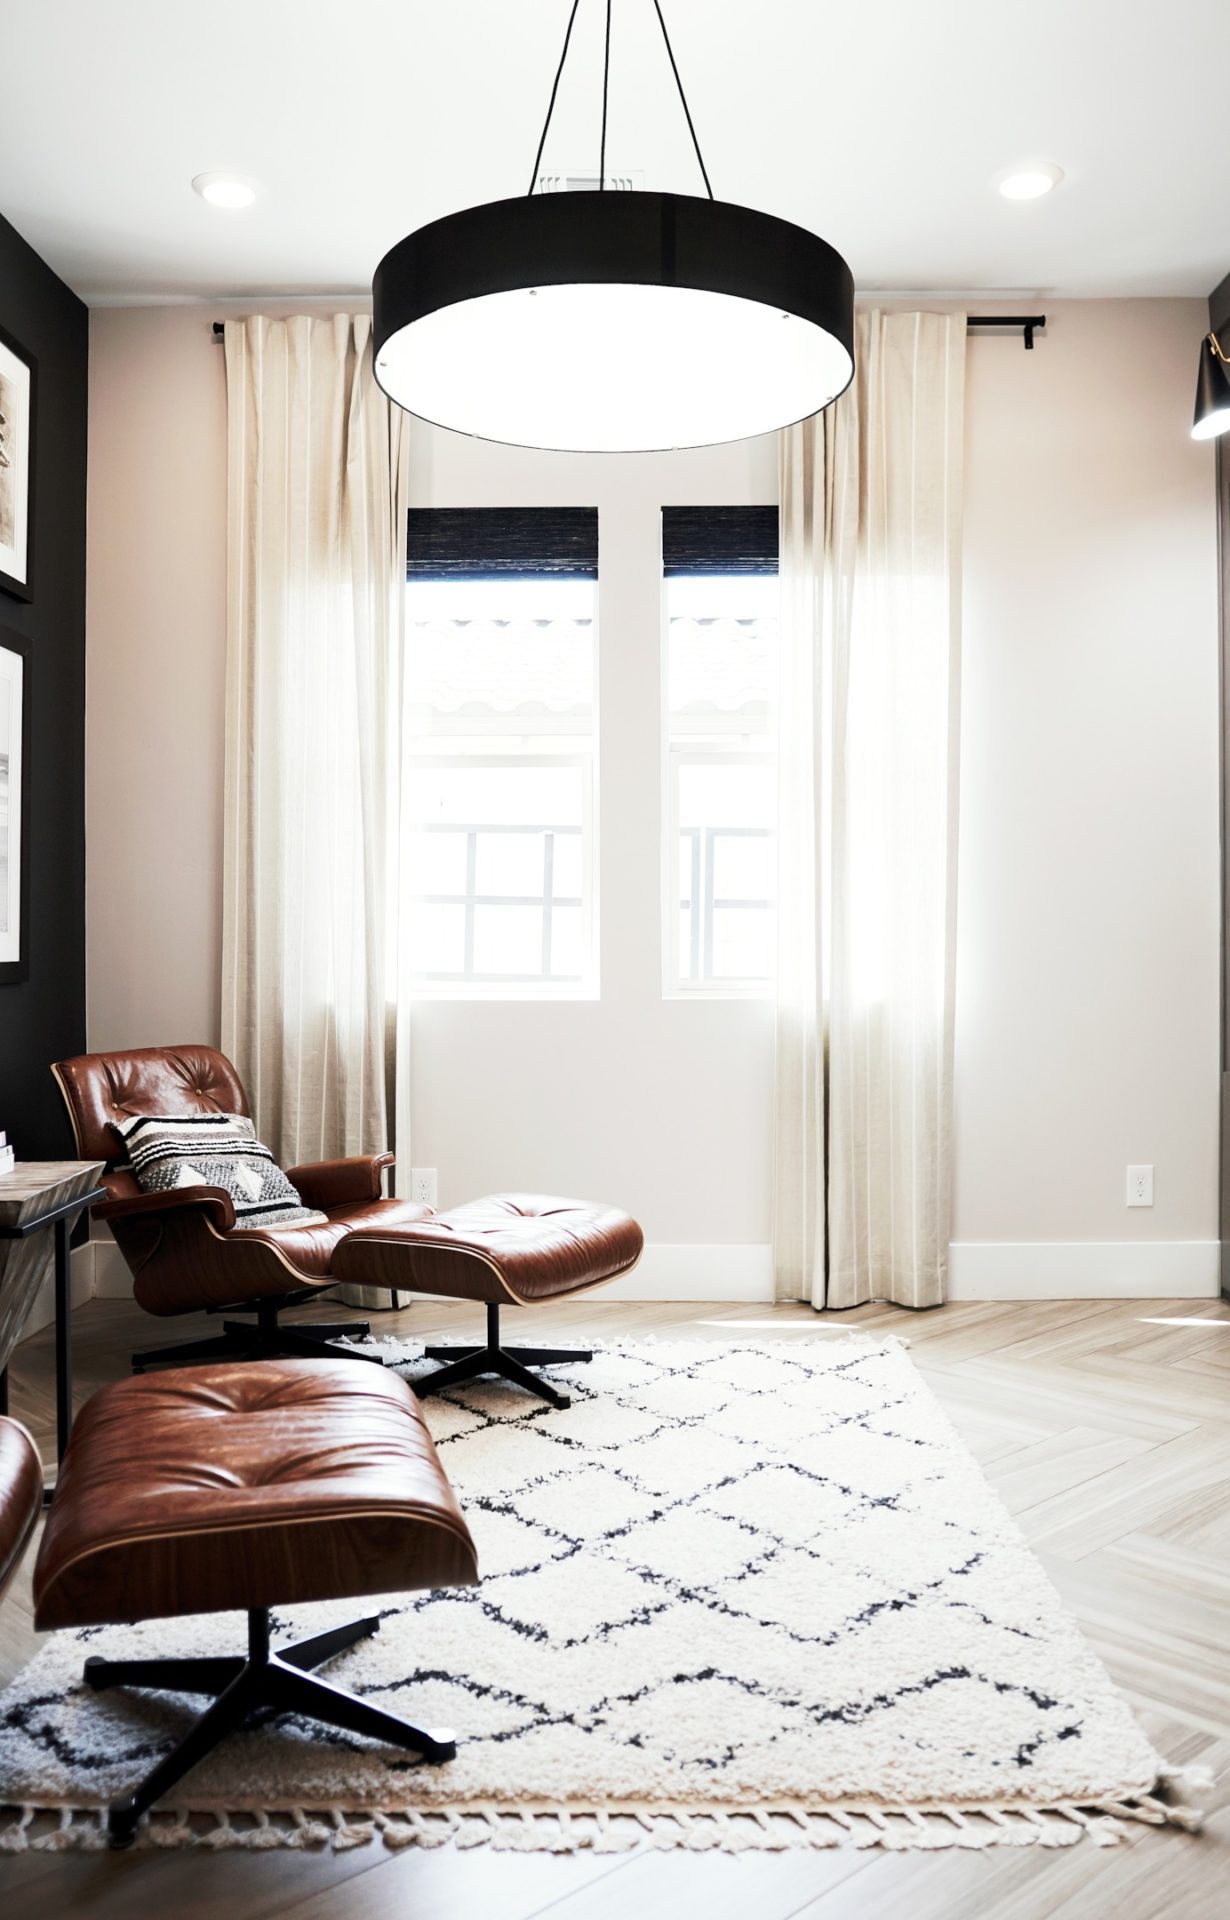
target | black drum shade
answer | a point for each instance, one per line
(613, 322)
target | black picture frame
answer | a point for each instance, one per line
(22, 588)
(17, 968)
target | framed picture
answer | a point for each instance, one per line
(18, 371)
(14, 818)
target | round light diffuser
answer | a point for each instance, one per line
(613, 322)
(224, 190)
(1029, 182)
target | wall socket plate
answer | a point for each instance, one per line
(1140, 1186)
(423, 1185)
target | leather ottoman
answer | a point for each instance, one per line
(21, 1495)
(510, 1249)
(248, 1486)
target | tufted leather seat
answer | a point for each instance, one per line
(182, 1246)
(223, 1486)
(220, 1487)
(513, 1249)
(516, 1247)
(21, 1495)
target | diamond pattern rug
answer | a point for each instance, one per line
(735, 1595)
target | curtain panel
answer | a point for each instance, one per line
(315, 626)
(870, 676)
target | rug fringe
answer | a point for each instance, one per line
(618, 1828)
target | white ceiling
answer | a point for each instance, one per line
(879, 123)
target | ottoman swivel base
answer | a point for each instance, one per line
(520, 1250)
(267, 1682)
(510, 1363)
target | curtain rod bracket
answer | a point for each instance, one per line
(1026, 323)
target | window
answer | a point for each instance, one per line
(720, 801)
(501, 678)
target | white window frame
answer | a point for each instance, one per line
(675, 986)
(487, 987)
(677, 753)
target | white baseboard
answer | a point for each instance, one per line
(979, 1270)
(668, 1271)
(112, 1279)
(664, 1272)
(1084, 1270)
(80, 1287)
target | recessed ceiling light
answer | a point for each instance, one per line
(224, 189)
(1029, 182)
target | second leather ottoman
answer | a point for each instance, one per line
(510, 1249)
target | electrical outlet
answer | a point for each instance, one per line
(423, 1185)
(1140, 1186)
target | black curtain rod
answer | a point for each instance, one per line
(1026, 323)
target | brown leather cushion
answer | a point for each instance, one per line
(247, 1486)
(510, 1247)
(21, 1495)
(102, 1087)
(310, 1250)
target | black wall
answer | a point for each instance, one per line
(42, 1018)
(1219, 320)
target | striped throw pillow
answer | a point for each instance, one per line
(214, 1150)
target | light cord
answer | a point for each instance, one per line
(542, 138)
(683, 100)
(606, 82)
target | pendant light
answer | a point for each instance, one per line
(613, 321)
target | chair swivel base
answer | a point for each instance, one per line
(510, 1363)
(268, 1681)
(266, 1338)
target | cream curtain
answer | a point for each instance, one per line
(871, 583)
(316, 573)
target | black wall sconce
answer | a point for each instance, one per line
(1212, 391)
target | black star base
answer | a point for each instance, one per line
(266, 1682)
(510, 1363)
(266, 1338)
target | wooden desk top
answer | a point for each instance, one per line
(35, 1185)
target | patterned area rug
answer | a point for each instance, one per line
(736, 1595)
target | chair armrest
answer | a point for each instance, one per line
(215, 1202)
(341, 1183)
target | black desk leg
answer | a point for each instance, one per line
(64, 1349)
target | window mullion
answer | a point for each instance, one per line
(548, 886)
(471, 890)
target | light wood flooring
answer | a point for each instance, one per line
(1106, 1427)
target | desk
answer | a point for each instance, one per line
(40, 1200)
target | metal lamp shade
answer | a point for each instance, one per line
(1212, 394)
(613, 322)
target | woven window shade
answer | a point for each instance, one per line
(502, 543)
(719, 540)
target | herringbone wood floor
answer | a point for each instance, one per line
(1106, 1428)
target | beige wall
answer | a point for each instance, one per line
(155, 665)
(1089, 929)
(1087, 1027)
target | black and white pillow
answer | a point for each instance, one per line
(214, 1150)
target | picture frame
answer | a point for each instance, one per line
(14, 807)
(18, 396)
